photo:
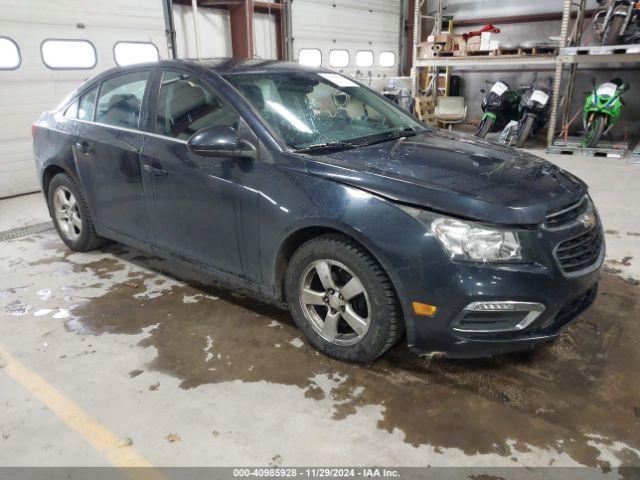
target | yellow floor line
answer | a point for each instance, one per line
(101, 438)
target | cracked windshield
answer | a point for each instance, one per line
(316, 111)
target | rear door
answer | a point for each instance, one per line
(107, 153)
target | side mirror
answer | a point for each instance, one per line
(220, 141)
(482, 90)
(624, 87)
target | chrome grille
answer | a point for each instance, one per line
(579, 253)
(568, 214)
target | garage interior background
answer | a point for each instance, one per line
(275, 29)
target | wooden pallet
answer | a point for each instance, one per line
(600, 50)
(524, 51)
(513, 52)
(573, 146)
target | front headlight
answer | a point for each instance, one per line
(466, 241)
(469, 241)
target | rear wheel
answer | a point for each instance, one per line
(342, 299)
(594, 132)
(71, 215)
(484, 127)
(524, 130)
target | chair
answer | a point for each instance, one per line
(450, 110)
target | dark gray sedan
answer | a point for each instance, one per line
(310, 189)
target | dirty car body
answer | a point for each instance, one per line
(505, 248)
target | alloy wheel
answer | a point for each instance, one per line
(335, 302)
(67, 213)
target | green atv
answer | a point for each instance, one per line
(602, 110)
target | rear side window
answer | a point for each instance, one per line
(186, 105)
(87, 104)
(72, 110)
(9, 54)
(68, 54)
(120, 100)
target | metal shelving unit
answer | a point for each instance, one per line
(566, 61)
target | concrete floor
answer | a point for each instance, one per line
(104, 360)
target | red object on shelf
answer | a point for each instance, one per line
(477, 33)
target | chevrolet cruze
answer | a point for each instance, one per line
(306, 188)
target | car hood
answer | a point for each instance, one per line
(456, 174)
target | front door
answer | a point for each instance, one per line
(198, 202)
(107, 152)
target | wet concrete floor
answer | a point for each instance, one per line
(573, 402)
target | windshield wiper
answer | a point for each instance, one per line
(386, 136)
(321, 147)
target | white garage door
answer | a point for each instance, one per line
(31, 87)
(351, 35)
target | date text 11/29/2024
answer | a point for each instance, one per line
(320, 472)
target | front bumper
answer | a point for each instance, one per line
(452, 287)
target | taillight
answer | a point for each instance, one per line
(34, 129)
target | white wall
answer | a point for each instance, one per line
(348, 24)
(33, 88)
(215, 32)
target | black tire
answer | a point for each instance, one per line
(594, 132)
(87, 238)
(612, 34)
(485, 126)
(386, 324)
(524, 130)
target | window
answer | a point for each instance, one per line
(71, 111)
(9, 54)
(338, 58)
(128, 53)
(387, 59)
(87, 104)
(309, 109)
(185, 106)
(364, 59)
(68, 54)
(120, 100)
(311, 57)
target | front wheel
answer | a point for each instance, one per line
(484, 127)
(342, 300)
(524, 130)
(594, 132)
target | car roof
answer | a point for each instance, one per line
(225, 66)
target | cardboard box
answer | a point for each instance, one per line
(488, 40)
(473, 44)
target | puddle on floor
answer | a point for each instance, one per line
(572, 396)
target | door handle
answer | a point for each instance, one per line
(83, 147)
(156, 170)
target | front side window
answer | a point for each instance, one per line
(68, 54)
(186, 105)
(87, 104)
(121, 99)
(313, 109)
(128, 53)
(9, 54)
